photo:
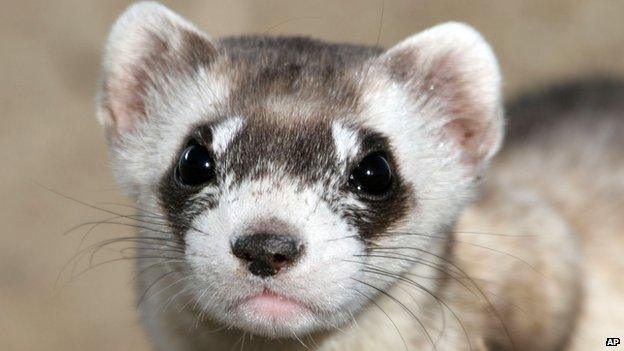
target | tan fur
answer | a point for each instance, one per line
(578, 168)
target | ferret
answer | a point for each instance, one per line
(295, 194)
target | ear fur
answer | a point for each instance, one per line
(451, 75)
(147, 44)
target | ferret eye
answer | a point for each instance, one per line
(372, 175)
(195, 166)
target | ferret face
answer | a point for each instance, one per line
(294, 173)
(276, 219)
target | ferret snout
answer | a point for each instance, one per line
(266, 254)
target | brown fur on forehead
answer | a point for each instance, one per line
(294, 69)
(302, 148)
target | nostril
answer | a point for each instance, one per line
(280, 260)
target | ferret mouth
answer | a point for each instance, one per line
(273, 306)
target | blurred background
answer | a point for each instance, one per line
(49, 138)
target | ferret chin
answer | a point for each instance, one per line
(273, 315)
(297, 194)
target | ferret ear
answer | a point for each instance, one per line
(148, 46)
(452, 77)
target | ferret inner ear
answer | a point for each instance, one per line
(452, 79)
(148, 46)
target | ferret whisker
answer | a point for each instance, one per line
(489, 303)
(159, 249)
(135, 239)
(171, 299)
(192, 298)
(101, 209)
(415, 259)
(151, 214)
(470, 232)
(98, 246)
(312, 340)
(199, 298)
(110, 221)
(300, 341)
(243, 341)
(144, 297)
(452, 240)
(215, 330)
(89, 205)
(438, 305)
(151, 266)
(127, 258)
(381, 18)
(75, 275)
(132, 239)
(354, 236)
(402, 305)
(442, 269)
(95, 224)
(95, 252)
(396, 327)
(355, 323)
(281, 23)
(473, 232)
(377, 270)
(412, 259)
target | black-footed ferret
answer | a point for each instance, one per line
(296, 194)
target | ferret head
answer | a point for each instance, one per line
(297, 174)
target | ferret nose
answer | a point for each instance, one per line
(266, 254)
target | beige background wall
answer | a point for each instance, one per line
(49, 54)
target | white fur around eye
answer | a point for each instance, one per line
(346, 141)
(223, 133)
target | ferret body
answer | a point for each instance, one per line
(296, 194)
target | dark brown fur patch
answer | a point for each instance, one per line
(177, 200)
(300, 149)
(381, 212)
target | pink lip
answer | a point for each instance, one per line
(270, 304)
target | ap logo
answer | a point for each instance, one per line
(613, 341)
